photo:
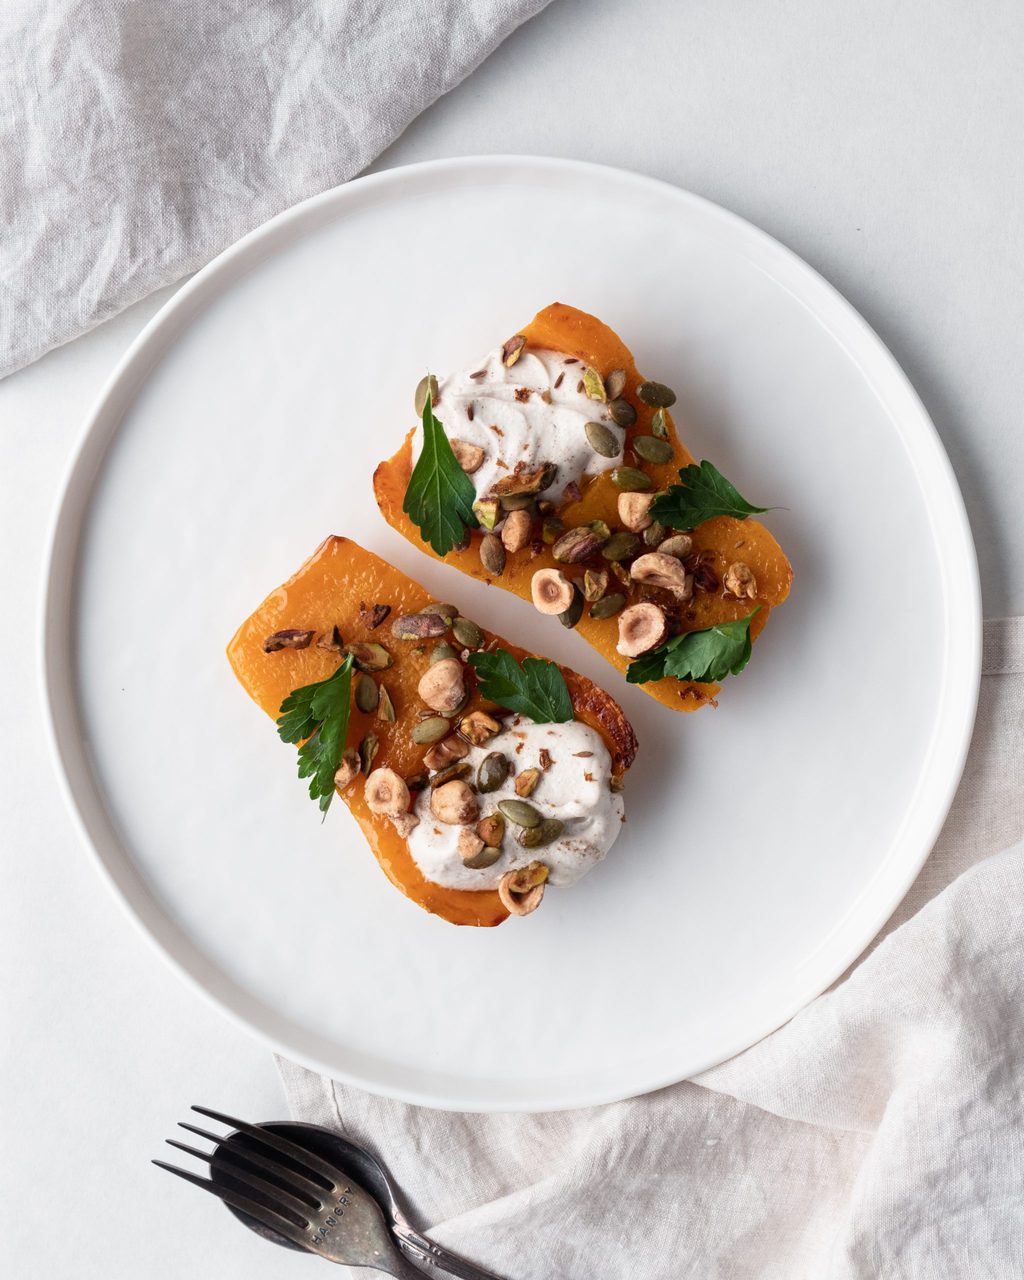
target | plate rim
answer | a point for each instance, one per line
(958, 690)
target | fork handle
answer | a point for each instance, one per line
(435, 1256)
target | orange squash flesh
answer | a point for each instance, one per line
(724, 540)
(328, 591)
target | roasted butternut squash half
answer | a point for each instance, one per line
(452, 789)
(566, 453)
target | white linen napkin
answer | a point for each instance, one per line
(138, 139)
(880, 1133)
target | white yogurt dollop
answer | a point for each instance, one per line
(573, 788)
(533, 413)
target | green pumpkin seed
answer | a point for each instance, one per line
(367, 694)
(620, 546)
(492, 554)
(571, 616)
(368, 748)
(608, 606)
(679, 545)
(656, 394)
(536, 837)
(622, 413)
(615, 383)
(440, 652)
(420, 399)
(651, 449)
(487, 857)
(659, 425)
(451, 773)
(593, 385)
(631, 480)
(433, 729)
(655, 534)
(492, 772)
(603, 440)
(551, 529)
(467, 633)
(442, 607)
(516, 501)
(520, 813)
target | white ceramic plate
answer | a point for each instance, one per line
(767, 841)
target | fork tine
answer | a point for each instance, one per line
(232, 1151)
(291, 1149)
(267, 1217)
(299, 1207)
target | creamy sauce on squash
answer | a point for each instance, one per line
(574, 787)
(530, 414)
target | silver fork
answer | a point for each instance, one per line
(322, 1210)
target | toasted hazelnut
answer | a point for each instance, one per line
(655, 569)
(385, 792)
(469, 844)
(454, 803)
(739, 581)
(347, 769)
(469, 456)
(642, 627)
(635, 510)
(404, 823)
(521, 890)
(478, 727)
(443, 686)
(515, 532)
(552, 591)
(446, 752)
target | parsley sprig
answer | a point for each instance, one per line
(440, 496)
(707, 656)
(535, 687)
(701, 494)
(317, 716)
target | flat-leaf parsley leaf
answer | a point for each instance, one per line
(702, 493)
(440, 496)
(317, 716)
(706, 656)
(535, 688)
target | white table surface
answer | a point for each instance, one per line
(878, 141)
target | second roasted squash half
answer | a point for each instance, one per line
(730, 567)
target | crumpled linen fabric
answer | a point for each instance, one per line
(138, 139)
(880, 1133)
